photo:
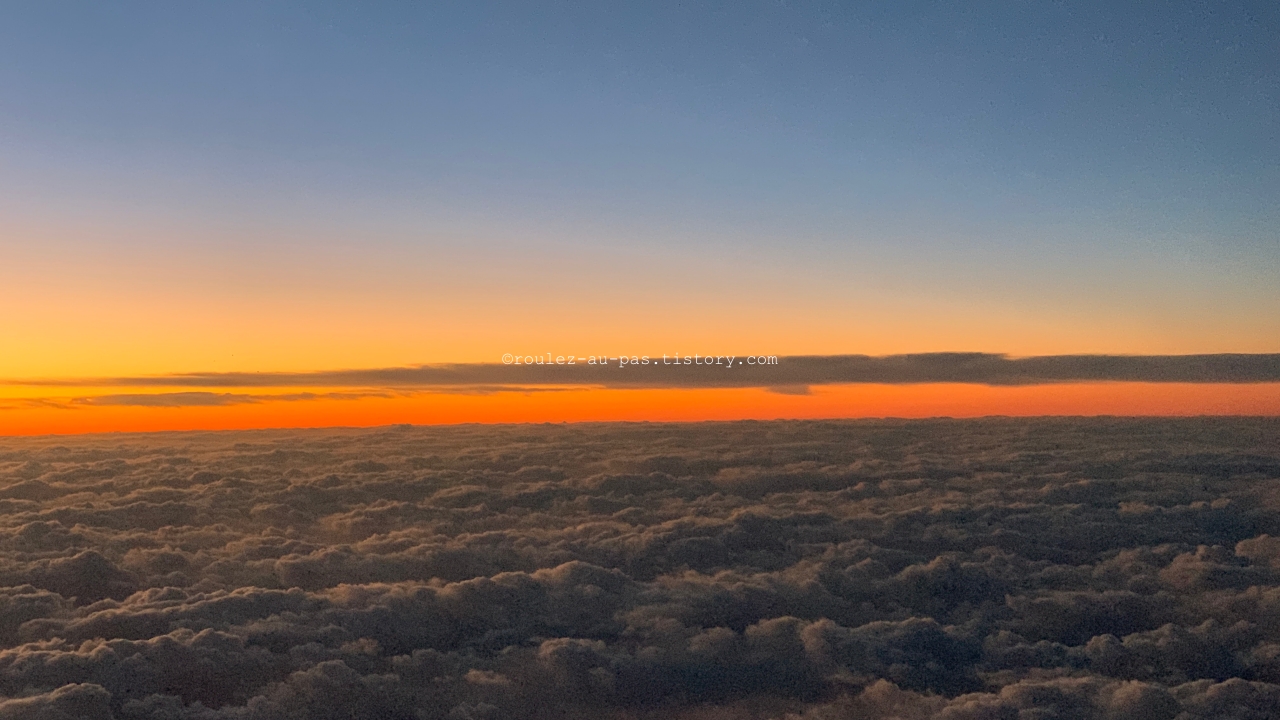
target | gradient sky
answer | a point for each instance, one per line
(299, 186)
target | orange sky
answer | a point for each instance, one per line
(591, 404)
(136, 297)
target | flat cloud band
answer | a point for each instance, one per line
(790, 371)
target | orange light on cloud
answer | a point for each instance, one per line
(20, 417)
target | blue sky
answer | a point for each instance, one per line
(990, 147)
(1079, 106)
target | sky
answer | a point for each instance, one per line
(298, 187)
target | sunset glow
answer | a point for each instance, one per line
(578, 404)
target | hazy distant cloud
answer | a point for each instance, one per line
(180, 399)
(789, 374)
(790, 389)
(215, 399)
(34, 403)
(492, 389)
(202, 399)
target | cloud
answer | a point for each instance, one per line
(179, 399)
(69, 702)
(790, 389)
(187, 399)
(215, 399)
(1085, 568)
(788, 372)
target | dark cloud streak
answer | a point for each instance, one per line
(790, 372)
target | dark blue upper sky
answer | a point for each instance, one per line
(1153, 113)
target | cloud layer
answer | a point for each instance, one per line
(800, 570)
(788, 372)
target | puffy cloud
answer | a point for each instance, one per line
(69, 702)
(1098, 568)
